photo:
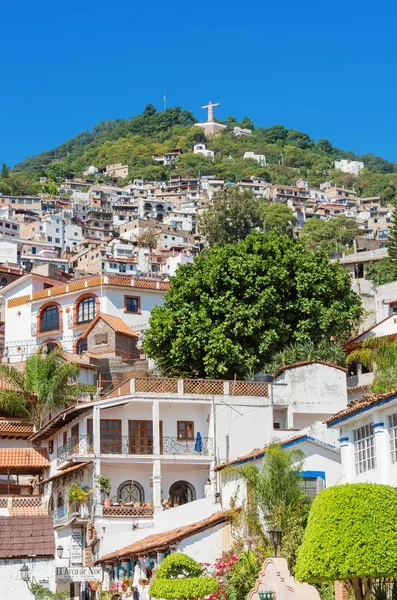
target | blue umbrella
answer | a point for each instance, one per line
(198, 446)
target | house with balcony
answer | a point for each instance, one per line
(38, 311)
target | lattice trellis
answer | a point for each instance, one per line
(127, 511)
(248, 388)
(205, 387)
(26, 502)
(156, 385)
(3, 502)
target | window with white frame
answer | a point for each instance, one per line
(392, 419)
(364, 448)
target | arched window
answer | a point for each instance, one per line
(49, 320)
(182, 492)
(130, 491)
(49, 346)
(81, 346)
(60, 500)
(51, 506)
(86, 310)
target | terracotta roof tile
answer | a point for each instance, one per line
(114, 322)
(26, 536)
(161, 541)
(24, 458)
(15, 429)
(307, 362)
(27, 511)
(68, 470)
(364, 403)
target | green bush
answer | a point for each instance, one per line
(351, 534)
(182, 589)
(178, 564)
(180, 577)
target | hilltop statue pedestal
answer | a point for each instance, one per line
(275, 577)
(210, 127)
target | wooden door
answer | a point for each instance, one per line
(75, 433)
(111, 441)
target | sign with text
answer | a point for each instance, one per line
(76, 547)
(76, 574)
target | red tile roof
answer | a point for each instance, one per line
(23, 458)
(305, 363)
(27, 511)
(14, 429)
(366, 402)
(26, 537)
(161, 541)
(68, 470)
(114, 322)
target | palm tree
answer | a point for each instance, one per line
(276, 497)
(304, 351)
(47, 383)
(380, 355)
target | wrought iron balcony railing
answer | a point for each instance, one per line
(124, 444)
(68, 512)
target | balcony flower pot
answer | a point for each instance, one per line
(108, 502)
(150, 504)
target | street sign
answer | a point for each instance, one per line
(76, 574)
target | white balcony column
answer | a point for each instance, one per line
(156, 479)
(290, 417)
(96, 429)
(347, 456)
(381, 447)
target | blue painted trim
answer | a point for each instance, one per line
(363, 410)
(378, 424)
(313, 474)
(344, 439)
(304, 438)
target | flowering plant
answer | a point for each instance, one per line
(126, 583)
(114, 586)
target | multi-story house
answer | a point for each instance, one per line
(283, 193)
(39, 313)
(259, 187)
(367, 432)
(349, 166)
(32, 203)
(117, 170)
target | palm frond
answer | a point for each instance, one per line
(12, 376)
(14, 403)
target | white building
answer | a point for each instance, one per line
(202, 149)
(349, 166)
(240, 131)
(38, 311)
(367, 433)
(58, 230)
(260, 158)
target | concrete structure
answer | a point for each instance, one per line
(260, 158)
(117, 170)
(210, 127)
(201, 148)
(275, 577)
(240, 131)
(349, 166)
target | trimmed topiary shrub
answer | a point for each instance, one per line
(180, 577)
(351, 535)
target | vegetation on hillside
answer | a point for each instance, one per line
(290, 154)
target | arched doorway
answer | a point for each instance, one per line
(130, 491)
(182, 492)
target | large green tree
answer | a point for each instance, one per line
(380, 355)
(334, 235)
(278, 217)
(237, 305)
(231, 217)
(351, 535)
(47, 383)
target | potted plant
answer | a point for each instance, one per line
(78, 496)
(105, 487)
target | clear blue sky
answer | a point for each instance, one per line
(325, 68)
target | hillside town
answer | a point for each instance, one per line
(149, 378)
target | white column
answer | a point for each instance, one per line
(96, 434)
(156, 479)
(347, 456)
(381, 448)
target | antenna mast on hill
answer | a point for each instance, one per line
(165, 100)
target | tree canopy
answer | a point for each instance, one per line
(231, 217)
(351, 535)
(335, 235)
(235, 306)
(180, 577)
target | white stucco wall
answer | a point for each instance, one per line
(207, 545)
(387, 291)
(11, 584)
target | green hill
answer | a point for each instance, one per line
(136, 140)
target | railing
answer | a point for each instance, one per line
(127, 511)
(198, 387)
(22, 502)
(84, 445)
(68, 512)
